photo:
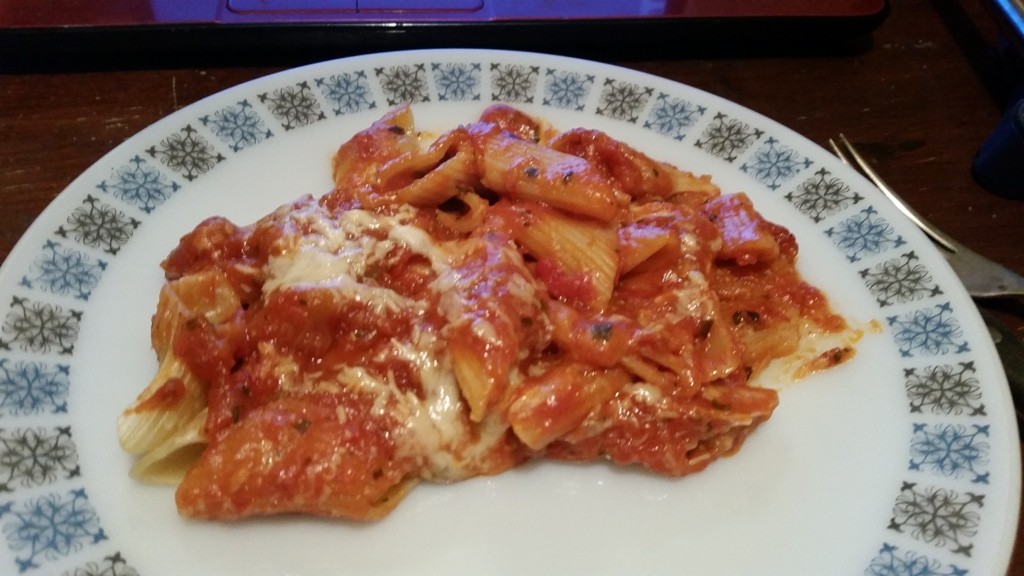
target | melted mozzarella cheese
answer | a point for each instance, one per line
(336, 253)
(417, 240)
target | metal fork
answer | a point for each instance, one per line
(982, 277)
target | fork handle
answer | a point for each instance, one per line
(1011, 354)
(982, 277)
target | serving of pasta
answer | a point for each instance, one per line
(460, 305)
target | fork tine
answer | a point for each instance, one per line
(839, 152)
(982, 277)
(865, 168)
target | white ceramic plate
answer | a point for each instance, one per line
(903, 461)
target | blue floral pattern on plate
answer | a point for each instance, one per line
(238, 125)
(457, 81)
(31, 388)
(347, 92)
(940, 509)
(140, 184)
(673, 116)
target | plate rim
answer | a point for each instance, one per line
(21, 250)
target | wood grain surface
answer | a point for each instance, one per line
(919, 101)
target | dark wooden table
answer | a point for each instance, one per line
(919, 101)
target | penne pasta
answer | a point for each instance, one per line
(556, 402)
(582, 255)
(637, 174)
(464, 212)
(503, 294)
(169, 461)
(638, 244)
(447, 179)
(172, 400)
(746, 238)
(523, 169)
(174, 396)
(358, 161)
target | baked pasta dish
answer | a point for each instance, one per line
(457, 306)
